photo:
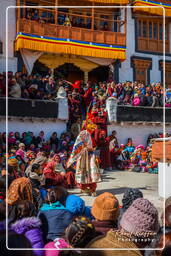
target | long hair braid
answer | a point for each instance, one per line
(79, 232)
(78, 236)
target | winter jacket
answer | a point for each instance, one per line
(103, 226)
(55, 219)
(30, 227)
(52, 177)
(136, 101)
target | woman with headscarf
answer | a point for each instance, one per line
(52, 177)
(67, 174)
(87, 171)
(20, 189)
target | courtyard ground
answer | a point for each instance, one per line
(116, 182)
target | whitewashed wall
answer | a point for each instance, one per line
(48, 127)
(138, 133)
(126, 72)
(11, 35)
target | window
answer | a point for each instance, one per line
(150, 30)
(139, 28)
(161, 32)
(144, 29)
(150, 34)
(166, 31)
(140, 75)
(155, 30)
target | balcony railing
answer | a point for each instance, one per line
(75, 33)
(87, 24)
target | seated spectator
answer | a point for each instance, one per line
(138, 227)
(54, 142)
(26, 223)
(105, 210)
(54, 216)
(35, 175)
(80, 232)
(53, 178)
(15, 241)
(130, 195)
(28, 13)
(20, 189)
(35, 15)
(21, 152)
(76, 206)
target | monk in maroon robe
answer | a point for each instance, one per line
(102, 143)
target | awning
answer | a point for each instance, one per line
(86, 64)
(110, 1)
(56, 60)
(68, 46)
(151, 5)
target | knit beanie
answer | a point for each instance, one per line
(105, 207)
(129, 196)
(140, 218)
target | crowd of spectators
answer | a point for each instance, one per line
(46, 88)
(46, 216)
(26, 147)
(64, 19)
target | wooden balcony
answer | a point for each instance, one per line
(75, 33)
(152, 45)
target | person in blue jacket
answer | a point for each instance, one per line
(54, 216)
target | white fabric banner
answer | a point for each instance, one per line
(63, 109)
(29, 58)
(111, 106)
(99, 61)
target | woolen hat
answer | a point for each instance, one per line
(129, 196)
(105, 207)
(140, 218)
(13, 162)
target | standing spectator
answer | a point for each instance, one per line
(54, 142)
(15, 89)
(87, 94)
(51, 88)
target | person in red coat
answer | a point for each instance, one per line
(88, 94)
(53, 178)
(102, 143)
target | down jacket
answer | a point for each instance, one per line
(30, 227)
